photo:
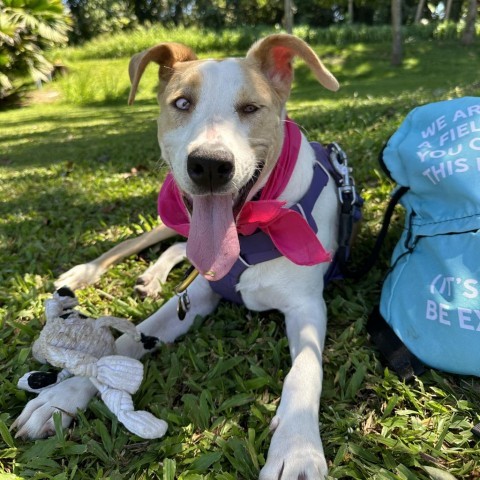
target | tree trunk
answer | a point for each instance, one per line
(418, 14)
(456, 12)
(468, 36)
(448, 10)
(397, 32)
(288, 16)
(350, 11)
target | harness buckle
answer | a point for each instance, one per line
(339, 161)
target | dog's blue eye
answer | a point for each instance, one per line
(249, 109)
(182, 103)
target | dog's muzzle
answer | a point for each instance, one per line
(210, 169)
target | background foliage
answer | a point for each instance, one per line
(236, 13)
(27, 29)
(91, 18)
(30, 28)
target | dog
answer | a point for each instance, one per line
(222, 130)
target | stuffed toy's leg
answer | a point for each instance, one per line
(63, 299)
(121, 324)
(140, 422)
(115, 371)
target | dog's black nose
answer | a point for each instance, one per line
(210, 168)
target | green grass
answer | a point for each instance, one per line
(69, 193)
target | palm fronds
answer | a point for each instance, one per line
(28, 28)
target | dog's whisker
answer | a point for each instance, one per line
(302, 128)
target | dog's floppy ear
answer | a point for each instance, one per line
(165, 54)
(274, 55)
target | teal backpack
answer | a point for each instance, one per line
(429, 311)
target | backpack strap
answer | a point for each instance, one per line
(397, 356)
(368, 264)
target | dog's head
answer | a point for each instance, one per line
(220, 127)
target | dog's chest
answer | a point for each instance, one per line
(267, 286)
(280, 284)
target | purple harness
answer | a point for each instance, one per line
(258, 247)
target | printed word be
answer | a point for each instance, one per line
(464, 318)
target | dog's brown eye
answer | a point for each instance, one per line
(182, 103)
(249, 109)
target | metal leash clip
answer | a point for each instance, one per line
(340, 162)
(183, 305)
(348, 198)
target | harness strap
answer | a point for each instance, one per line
(258, 247)
(350, 210)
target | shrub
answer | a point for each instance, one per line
(27, 29)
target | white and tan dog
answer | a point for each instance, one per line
(221, 131)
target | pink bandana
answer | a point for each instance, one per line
(213, 245)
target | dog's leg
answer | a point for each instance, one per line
(149, 284)
(296, 451)
(74, 393)
(88, 273)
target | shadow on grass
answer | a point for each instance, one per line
(39, 139)
(79, 229)
(69, 181)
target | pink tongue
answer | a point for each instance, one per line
(212, 244)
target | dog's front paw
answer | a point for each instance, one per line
(36, 420)
(80, 275)
(295, 455)
(148, 285)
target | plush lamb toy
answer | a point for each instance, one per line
(85, 347)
